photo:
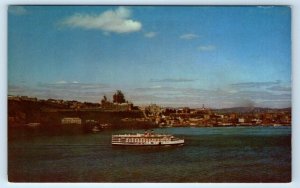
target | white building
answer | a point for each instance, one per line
(71, 120)
(241, 120)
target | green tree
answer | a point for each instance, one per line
(118, 97)
(104, 100)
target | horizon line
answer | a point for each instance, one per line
(144, 105)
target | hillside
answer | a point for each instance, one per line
(46, 113)
(250, 110)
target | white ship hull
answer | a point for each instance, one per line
(145, 140)
(179, 142)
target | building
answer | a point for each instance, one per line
(153, 109)
(241, 120)
(71, 120)
(117, 106)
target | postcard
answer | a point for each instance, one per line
(149, 94)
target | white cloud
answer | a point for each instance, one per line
(150, 34)
(61, 82)
(265, 7)
(280, 88)
(247, 85)
(17, 10)
(207, 48)
(172, 80)
(189, 36)
(220, 98)
(117, 21)
(161, 95)
(156, 87)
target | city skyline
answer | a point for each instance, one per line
(219, 56)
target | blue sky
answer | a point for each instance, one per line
(219, 56)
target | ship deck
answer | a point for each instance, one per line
(142, 135)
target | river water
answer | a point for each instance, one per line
(231, 154)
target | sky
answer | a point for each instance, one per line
(217, 56)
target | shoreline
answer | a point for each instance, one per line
(72, 126)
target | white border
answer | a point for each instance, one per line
(295, 87)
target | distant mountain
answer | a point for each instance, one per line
(250, 110)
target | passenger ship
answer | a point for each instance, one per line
(146, 139)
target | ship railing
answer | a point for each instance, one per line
(151, 135)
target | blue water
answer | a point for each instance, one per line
(237, 154)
